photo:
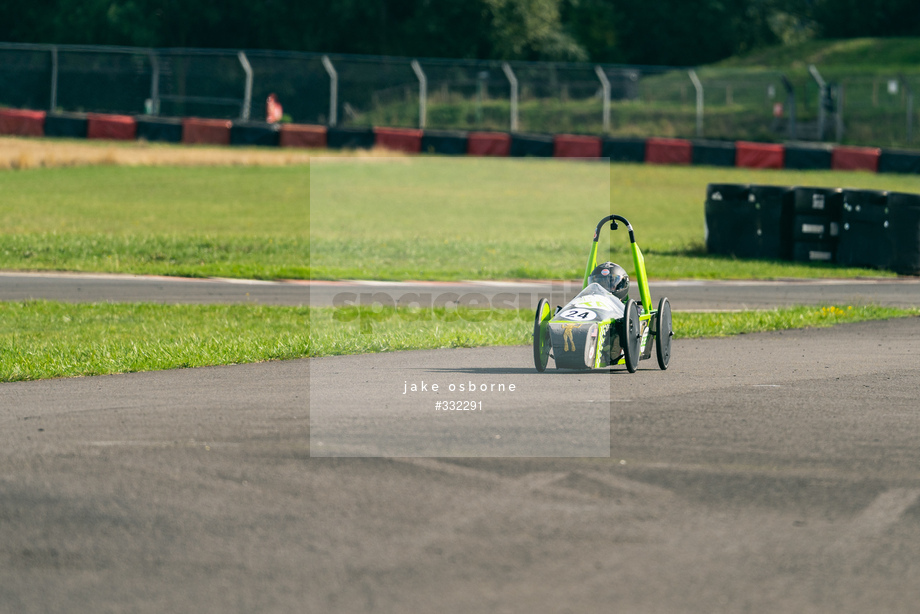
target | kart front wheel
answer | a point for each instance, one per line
(631, 336)
(541, 340)
(665, 332)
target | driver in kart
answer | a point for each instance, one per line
(612, 278)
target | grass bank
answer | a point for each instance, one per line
(44, 339)
(405, 218)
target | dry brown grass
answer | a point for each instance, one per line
(24, 153)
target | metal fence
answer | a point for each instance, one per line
(802, 104)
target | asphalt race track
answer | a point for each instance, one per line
(775, 472)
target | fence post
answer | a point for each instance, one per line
(822, 91)
(699, 102)
(910, 108)
(605, 88)
(154, 83)
(514, 95)
(54, 77)
(333, 90)
(247, 93)
(422, 94)
(790, 96)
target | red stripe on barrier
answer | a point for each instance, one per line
(668, 151)
(855, 158)
(488, 144)
(197, 131)
(399, 139)
(19, 122)
(112, 127)
(302, 135)
(574, 146)
(759, 155)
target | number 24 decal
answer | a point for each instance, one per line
(577, 314)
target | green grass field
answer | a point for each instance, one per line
(405, 218)
(44, 339)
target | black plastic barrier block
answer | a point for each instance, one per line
(894, 161)
(814, 251)
(865, 232)
(773, 206)
(254, 133)
(350, 138)
(164, 129)
(623, 149)
(713, 153)
(728, 219)
(807, 157)
(66, 125)
(815, 228)
(535, 145)
(819, 201)
(905, 232)
(448, 142)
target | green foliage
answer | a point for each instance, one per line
(664, 32)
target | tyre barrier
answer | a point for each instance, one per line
(159, 129)
(847, 227)
(668, 151)
(254, 134)
(444, 142)
(905, 232)
(488, 144)
(759, 155)
(66, 125)
(302, 135)
(575, 146)
(749, 221)
(894, 161)
(398, 139)
(623, 149)
(807, 157)
(713, 153)
(531, 145)
(20, 122)
(111, 127)
(865, 230)
(855, 159)
(196, 131)
(745, 154)
(350, 138)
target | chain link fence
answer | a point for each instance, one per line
(711, 103)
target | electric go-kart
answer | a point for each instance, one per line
(598, 327)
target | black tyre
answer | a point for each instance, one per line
(664, 333)
(631, 336)
(541, 341)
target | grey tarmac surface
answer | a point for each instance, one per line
(774, 472)
(685, 295)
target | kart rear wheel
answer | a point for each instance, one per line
(541, 340)
(664, 334)
(631, 336)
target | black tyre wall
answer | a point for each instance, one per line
(350, 138)
(713, 153)
(448, 142)
(804, 157)
(161, 129)
(254, 133)
(905, 232)
(535, 145)
(623, 149)
(66, 125)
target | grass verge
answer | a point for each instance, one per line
(45, 339)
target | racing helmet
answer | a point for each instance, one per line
(612, 277)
